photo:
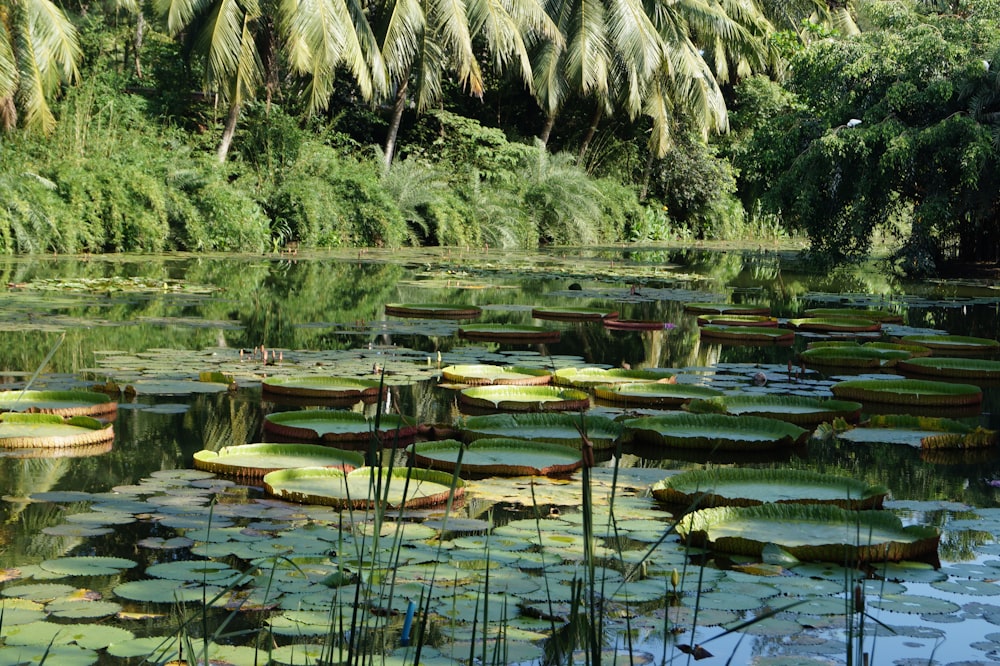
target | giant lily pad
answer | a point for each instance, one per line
(332, 388)
(338, 427)
(433, 310)
(402, 488)
(509, 333)
(525, 398)
(715, 432)
(922, 431)
(601, 431)
(730, 486)
(637, 325)
(585, 378)
(748, 335)
(63, 403)
(737, 320)
(256, 460)
(810, 532)
(646, 394)
(835, 324)
(38, 431)
(497, 457)
(573, 314)
(483, 374)
(975, 369)
(727, 308)
(853, 356)
(915, 392)
(796, 409)
(957, 345)
(883, 316)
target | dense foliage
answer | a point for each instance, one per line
(254, 126)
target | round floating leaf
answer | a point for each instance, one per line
(525, 398)
(338, 427)
(749, 335)
(586, 378)
(948, 366)
(81, 609)
(749, 487)
(195, 571)
(647, 394)
(727, 308)
(64, 655)
(602, 432)
(926, 432)
(256, 460)
(409, 488)
(331, 388)
(87, 566)
(42, 431)
(800, 410)
(166, 591)
(856, 356)
(637, 325)
(497, 457)
(484, 374)
(959, 345)
(433, 310)
(63, 403)
(573, 314)
(835, 324)
(737, 320)
(914, 603)
(715, 432)
(883, 316)
(914, 392)
(509, 333)
(41, 592)
(810, 532)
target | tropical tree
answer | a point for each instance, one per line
(39, 52)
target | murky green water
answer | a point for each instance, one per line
(118, 319)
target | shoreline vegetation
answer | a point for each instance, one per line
(150, 128)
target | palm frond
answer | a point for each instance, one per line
(54, 42)
(400, 33)
(452, 28)
(588, 61)
(179, 13)
(8, 65)
(233, 60)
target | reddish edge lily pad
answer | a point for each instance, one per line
(525, 398)
(727, 308)
(836, 324)
(485, 374)
(432, 310)
(573, 314)
(800, 410)
(715, 432)
(915, 392)
(738, 335)
(637, 325)
(323, 387)
(737, 320)
(41, 431)
(645, 394)
(509, 333)
(811, 532)
(730, 486)
(559, 428)
(63, 403)
(883, 316)
(338, 427)
(256, 460)
(402, 488)
(497, 457)
(585, 378)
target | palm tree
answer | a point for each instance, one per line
(38, 53)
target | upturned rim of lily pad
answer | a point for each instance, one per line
(801, 410)
(739, 335)
(325, 386)
(64, 403)
(727, 308)
(324, 492)
(852, 357)
(294, 425)
(883, 316)
(525, 398)
(592, 377)
(736, 486)
(755, 526)
(955, 344)
(485, 374)
(511, 457)
(737, 320)
(256, 460)
(602, 431)
(638, 325)
(654, 394)
(715, 432)
(433, 310)
(573, 314)
(916, 351)
(509, 333)
(43, 431)
(952, 366)
(914, 392)
(835, 324)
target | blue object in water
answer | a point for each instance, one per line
(404, 639)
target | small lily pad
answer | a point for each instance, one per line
(573, 314)
(958, 345)
(737, 320)
(87, 566)
(727, 308)
(747, 335)
(835, 324)
(800, 410)
(654, 394)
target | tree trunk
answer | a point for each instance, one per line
(647, 172)
(550, 121)
(591, 131)
(397, 117)
(140, 31)
(229, 131)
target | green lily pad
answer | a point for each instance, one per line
(883, 316)
(958, 345)
(914, 392)
(800, 410)
(256, 460)
(637, 325)
(497, 457)
(573, 314)
(856, 356)
(752, 335)
(727, 308)
(63, 403)
(45, 431)
(525, 398)
(730, 486)
(974, 369)
(485, 374)
(811, 532)
(329, 388)
(338, 427)
(166, 591)
(87, 566)
(715, 432)
(403, 488)
(586, 378)
(835, 324)
(646, 394)
(737, 320)
(602, 432)
(925, 432)
(509, 333)
(433, 310)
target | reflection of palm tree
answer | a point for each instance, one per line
(22, 478)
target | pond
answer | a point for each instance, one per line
(110, 554)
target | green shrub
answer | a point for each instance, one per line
(31, 216)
